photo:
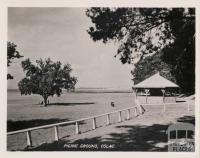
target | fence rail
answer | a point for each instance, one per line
(75, 122)
(93, 118)
(164, 105)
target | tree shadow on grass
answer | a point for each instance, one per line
(55, 146)
(180, 101)
(71, 104)
(141, 138)
(18, 125)
(135, 138)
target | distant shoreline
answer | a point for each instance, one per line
(87, 90)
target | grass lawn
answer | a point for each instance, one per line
(25, 112)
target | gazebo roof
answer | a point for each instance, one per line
(156, 81)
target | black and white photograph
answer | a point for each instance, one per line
(111, 79)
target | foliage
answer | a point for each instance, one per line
(169, 31)
(12, 53)
(46, 78)
(150, 66)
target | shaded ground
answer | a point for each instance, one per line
(71, 104)
(137, 138)
(18, 125)
(133, 138)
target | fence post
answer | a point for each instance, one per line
(120, 116)
(94, 123)
(188, 106)
(135, 111)
(168, 135)
(107, 119)
(77, 128)
(146, 93)
(164, 107)
(56, 133)
(128, 114)
(29, 140)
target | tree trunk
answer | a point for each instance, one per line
(45, 101)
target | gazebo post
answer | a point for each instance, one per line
(163, 91)
(136, 93)
(146, 92)
(175, 93)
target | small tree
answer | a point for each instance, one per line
(46, 78)
(12, 53)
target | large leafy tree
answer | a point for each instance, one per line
(12, 54)
(46, 78)
(146, 32)
(151, 65)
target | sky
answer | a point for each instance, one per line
(61, 34)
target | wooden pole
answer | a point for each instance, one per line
(163, 91)
(175, 96)
(164, 107)
(146, 93)
(120, 116)
(168, 135)
(107, 119)
(188, 106)
(136, 93)
(163, 97)
(94, 123)
(146, 97)
(56, 133)
(128, 114)
(29, 140)
(135, 111)
(77, 128)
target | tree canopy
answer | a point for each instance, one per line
(150, 66)
(12, 54)
(46, 78)
(149, 31)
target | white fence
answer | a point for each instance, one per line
(93, 119)
(75, 122)
(187, 105)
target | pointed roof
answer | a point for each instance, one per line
(156, 81)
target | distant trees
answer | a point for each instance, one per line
(46, 78)
(12, 53)
(168, 31)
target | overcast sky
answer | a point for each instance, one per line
(60, 33)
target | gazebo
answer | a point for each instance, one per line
(155, 85)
